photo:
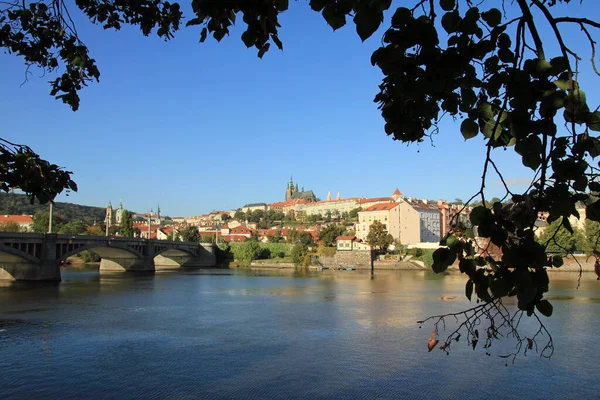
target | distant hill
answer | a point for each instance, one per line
(18, 204)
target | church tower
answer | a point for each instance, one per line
(290, 190)
(119, 213)
(396, 195)
(108, 221)
(329, 196)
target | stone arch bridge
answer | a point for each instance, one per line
(37, 257)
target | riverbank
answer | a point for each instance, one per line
(377, 265)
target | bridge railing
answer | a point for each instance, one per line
(41, 236)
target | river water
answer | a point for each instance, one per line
(248, 334)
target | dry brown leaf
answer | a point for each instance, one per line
(432, 343)
(433, 335)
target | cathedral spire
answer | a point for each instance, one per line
(329, 195)
(338, 197)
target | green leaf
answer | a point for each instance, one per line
(334, 18)
(467, 266)
(367, 23)
(248, 38)
(450, 21)
(317, 5)
(545, 308)
(559, 65)
(543, 67)
(492, 17)
(563, 84)
(401, 17)
(281, 5)
(263, 50)
(478, 214)
(442, 259)
(594, 121)
(594, 186)
(469, 289)
(500, 287)
(448, 5)
(557, 261)
(469, 128)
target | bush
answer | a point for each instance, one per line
(88, 256)
(323, 251)
(300, 255)
(427, 257)
(268, 250)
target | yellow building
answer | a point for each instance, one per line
(401, 220)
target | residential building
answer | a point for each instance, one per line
(400, 219)
(429, 220)
(25, 221)
(350, 243)
(338, 206)
(254, 206)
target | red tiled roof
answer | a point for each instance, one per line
(345, 238)
(397, 192)
(22, 219)
(382, 207)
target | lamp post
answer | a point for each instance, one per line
(50, 215)
(150, 224)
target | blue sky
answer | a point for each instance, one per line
(209, 126)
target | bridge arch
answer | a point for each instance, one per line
(24, 256)
(105, 250)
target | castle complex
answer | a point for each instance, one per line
(292, 193)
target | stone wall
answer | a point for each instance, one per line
(355, 259)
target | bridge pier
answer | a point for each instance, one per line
(127, 264)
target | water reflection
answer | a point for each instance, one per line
(281, 334)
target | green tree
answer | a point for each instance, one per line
(10, 226)
(126, 226)
(354, 212)
(505, 80)
(329, 233)
(41, 222)
(239, 215)
(190, 234)
(300, 255)
(592, 237)
(210, 238)
(295, 236)
(174, 233)
(225, 217)
(557, 239)
(255, 216)
(250, 250)
(73, 228)
(94, 230)
(378, 236)
(276, 238)
(113, 230)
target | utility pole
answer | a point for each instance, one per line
(50, 216)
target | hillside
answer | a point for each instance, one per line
(18, 204)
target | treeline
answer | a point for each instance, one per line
(18, 204)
